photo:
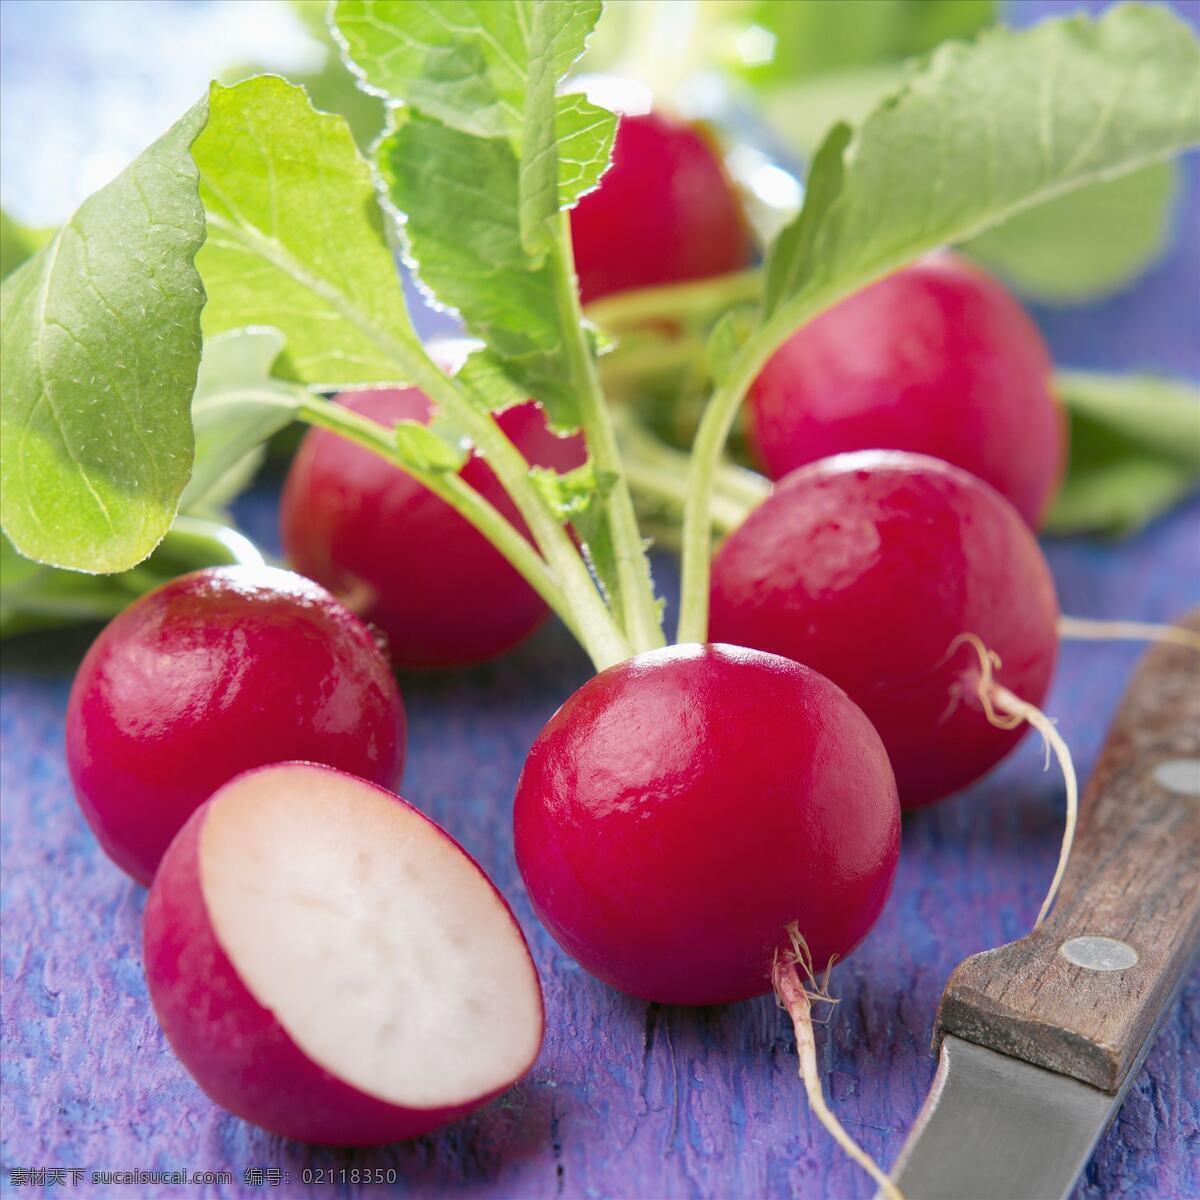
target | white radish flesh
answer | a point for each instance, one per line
(374, 945)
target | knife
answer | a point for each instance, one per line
(1040, 1039)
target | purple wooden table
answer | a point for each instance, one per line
(627, 1099)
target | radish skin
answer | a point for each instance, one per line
(937, 358)
(867, 567)
(684, 807)
(209, 675)
(269, 935)
(665, 212)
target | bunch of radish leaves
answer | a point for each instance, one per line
(245, 266)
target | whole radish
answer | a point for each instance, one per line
(213, 673)
(872, 568)
(685, 807)
(400, 556)
(938, 359)
(665, 212)
(331, 965)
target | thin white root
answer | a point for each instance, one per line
(1126, 631)
(1006, 711)
(797, 1000)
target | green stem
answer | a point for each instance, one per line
(700, 300)
(655, 483)
(636, 358)
(709, 444)
(711, 436)
(598, 641)
(202, 542)
(570, 572)
(638, 606)
(607, 643)
(660, 472)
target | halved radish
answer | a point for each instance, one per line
(331, 965)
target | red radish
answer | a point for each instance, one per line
(684, 807)
(402, 557)
(213, 673)
(868, 567)
(332, 966)
(937, 358)
(665, 212)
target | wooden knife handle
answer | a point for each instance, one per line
(1134, 878)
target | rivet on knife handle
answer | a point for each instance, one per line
(1081, 994)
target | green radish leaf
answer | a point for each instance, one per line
(34, 596)
(824, 36)
(18, 243)
(477, 188)
(488, 69)
(1085, 244)
(1159, 415)
(429, 448)
(1135, 451)
(95, 430)
(491, 385)
(332, 86)
(537, 174)
(296, 238)
(728, 336)
(486, 381)
(579, 496)
(1113, 489)
(460, 199)
(595, 532)
(571, 493)
(981, 133)
(465, 63)
(1076, 247)
(585, 133)
(482, 157)
(237, 406)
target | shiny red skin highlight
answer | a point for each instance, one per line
(232, 1046)
(866, 567)
(665, 212)
(683, 806)
(213, 673)
(938, 359)
(400, 556)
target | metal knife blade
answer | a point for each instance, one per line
(1040, 1039)
(996, 1128)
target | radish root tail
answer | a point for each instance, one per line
(1130, 631)
(789, 973)
(1006, 711)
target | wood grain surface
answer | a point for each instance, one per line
(627, 1100)
(1134, 876)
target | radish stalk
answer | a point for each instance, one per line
(637, 605)
(561, 554)
(710, 441)
(342, 499)
(583, 612)
(697, 303)
(657, 473)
